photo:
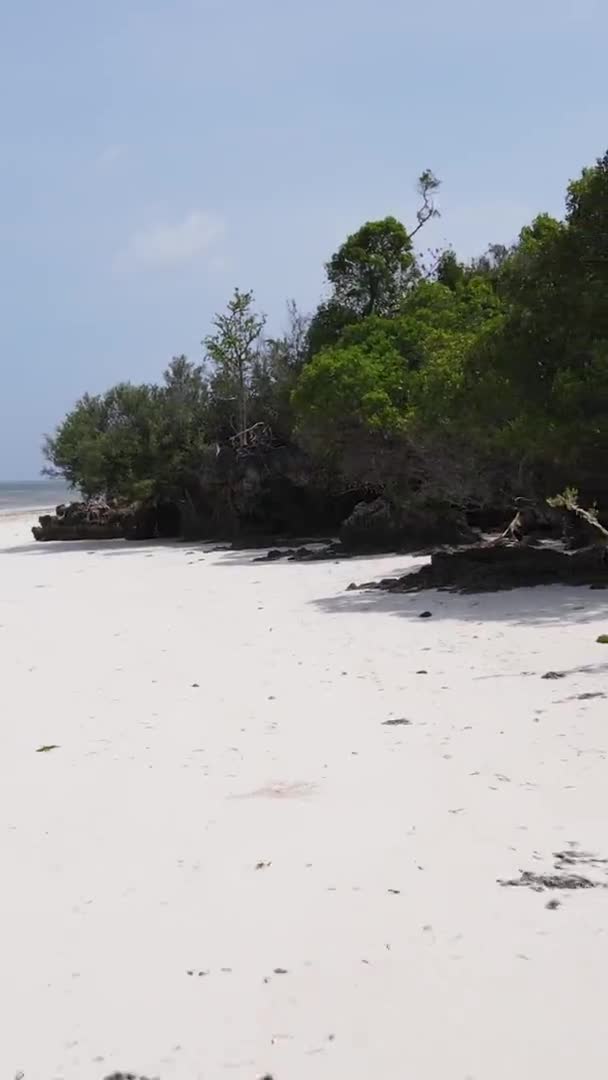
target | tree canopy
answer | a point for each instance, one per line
(502, 359)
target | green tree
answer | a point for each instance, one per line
(182, 426)
(535, 383)
(348, 386)
(370, 272)
(327, 324)
(107, 444)
(449, 271)
(275, 372)
(382, 370)
(233, 350)
(387, 404)
(135, 442)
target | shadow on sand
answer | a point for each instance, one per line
(255, 557)
(228, 556)
(540, 606)
(96, 547)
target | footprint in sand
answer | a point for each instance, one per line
(280, 790)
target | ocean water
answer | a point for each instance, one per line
(33, 495)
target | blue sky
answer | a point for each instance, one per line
(156, 153)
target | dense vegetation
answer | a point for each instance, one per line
(454, 385)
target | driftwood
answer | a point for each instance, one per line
(533, 519)
(582, 526)
(258, 436)
(560, 518)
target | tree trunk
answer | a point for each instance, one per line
(242, 406)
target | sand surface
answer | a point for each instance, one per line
(232, 866)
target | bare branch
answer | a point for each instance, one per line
(428, 184)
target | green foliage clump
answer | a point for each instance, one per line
(134, 442)
(388, 374)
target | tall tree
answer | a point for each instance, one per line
(369, 273)
(278, 364)
(183, 424)
(233, 349)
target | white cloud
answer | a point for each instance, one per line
(160, 246)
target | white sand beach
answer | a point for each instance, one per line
(231, 865)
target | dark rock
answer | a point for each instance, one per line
(425, 615)
(490, 567)
(329, 551)
(86, 531)
(382, 525)
(262, 492)
(372, 526)
(113, 520)
(272, 556)
(94, 520)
